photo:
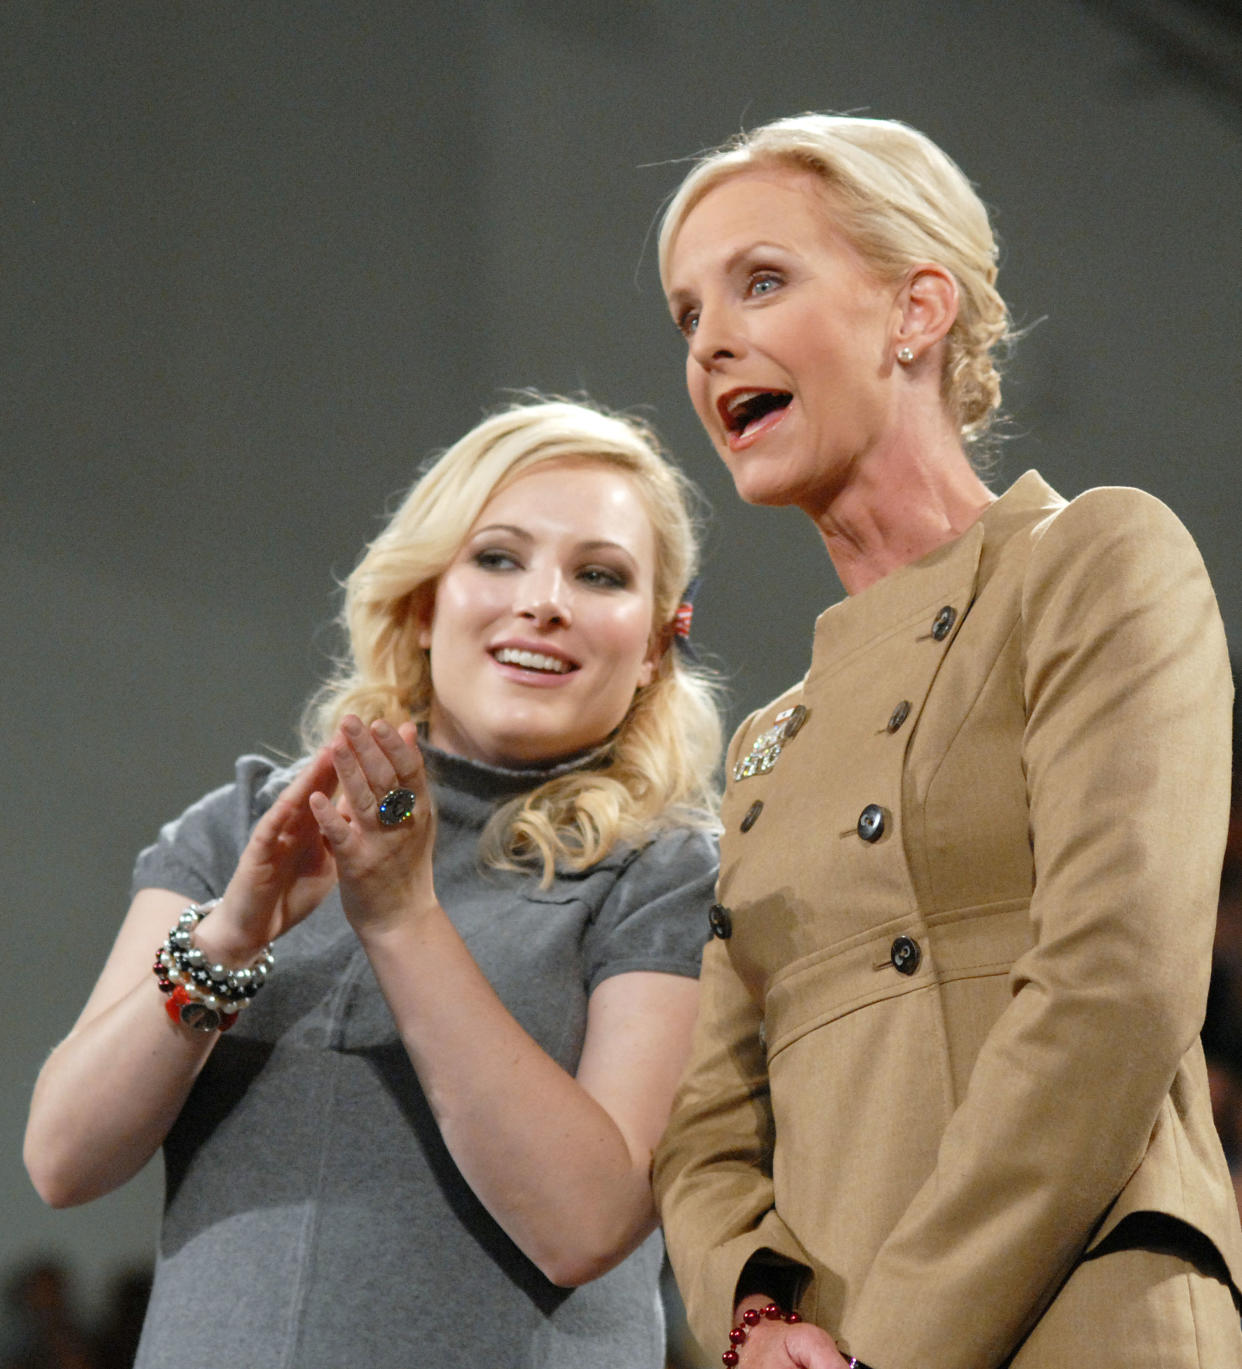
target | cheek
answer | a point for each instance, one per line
(696, 386)
(466, 603)
(631, 644)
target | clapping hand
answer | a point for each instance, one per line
(382, 850)
(283, 875)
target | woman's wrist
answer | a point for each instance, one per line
(751, 1313)
(399, 914)
(223, 942)
(402, 930)
(202, 993)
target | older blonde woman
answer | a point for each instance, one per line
(433, 1116)
(947, 1098)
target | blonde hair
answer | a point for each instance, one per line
(660, 764)
(899, 200)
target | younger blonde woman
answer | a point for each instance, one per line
(423, 1135)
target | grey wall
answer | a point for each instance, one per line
(261, 258)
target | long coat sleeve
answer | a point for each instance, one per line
(950, 1040)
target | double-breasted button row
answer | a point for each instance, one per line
(720, 920)
(871, 820)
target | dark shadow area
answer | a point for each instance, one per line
(44, 1327)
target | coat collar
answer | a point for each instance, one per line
(949, 577)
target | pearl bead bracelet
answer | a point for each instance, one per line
(202, 995)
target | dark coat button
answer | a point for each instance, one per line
(944, 622)
(793, 723)
(752, 815)
(721, 921)
(871, 822)
(899, 715)
(905, 955)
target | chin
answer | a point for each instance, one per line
(518, 753)
(758, 483)
(763, 493)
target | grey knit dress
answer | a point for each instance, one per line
(313, 1216)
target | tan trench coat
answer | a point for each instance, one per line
(949, 1035)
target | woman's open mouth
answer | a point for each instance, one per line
(747, 414)
(532, 660)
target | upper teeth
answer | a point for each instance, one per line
(743, 397)
(532, 660)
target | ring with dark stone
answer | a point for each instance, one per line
(396, 806)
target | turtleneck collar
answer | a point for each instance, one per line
(497, 783)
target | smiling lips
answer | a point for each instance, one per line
(532, 660)
(748, 414)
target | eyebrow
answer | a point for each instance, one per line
(594, 544)
(730, 263)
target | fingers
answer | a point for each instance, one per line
(369, 761)
(811, 1347)
(290, 812)
(332, 824)
(318, 774)
(384, 870)
(400, 745)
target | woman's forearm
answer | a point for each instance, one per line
(566, 1179)
(107, 1095)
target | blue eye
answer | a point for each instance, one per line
(764, 282)
(688, 322)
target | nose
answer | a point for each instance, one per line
(715, 339)
(543, 598)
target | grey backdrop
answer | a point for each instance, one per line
(260, 258)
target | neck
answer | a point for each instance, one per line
(896, 507)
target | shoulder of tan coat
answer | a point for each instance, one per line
(1120, 514)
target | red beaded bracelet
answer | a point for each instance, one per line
(750, 1319)
(189, 1011)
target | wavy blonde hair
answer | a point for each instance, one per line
(899, 200)
(659, 768)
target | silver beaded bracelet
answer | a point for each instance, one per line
(217, 985)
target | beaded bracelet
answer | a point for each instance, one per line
(194, 1012)
(750, 1319)
(233, 985)
(201, 995)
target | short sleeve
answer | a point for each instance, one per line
(197, 853)
(655, 917)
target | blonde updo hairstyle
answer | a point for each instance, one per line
(659, 766)
(899, 200)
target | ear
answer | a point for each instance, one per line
(661, 641)
(927, 308)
